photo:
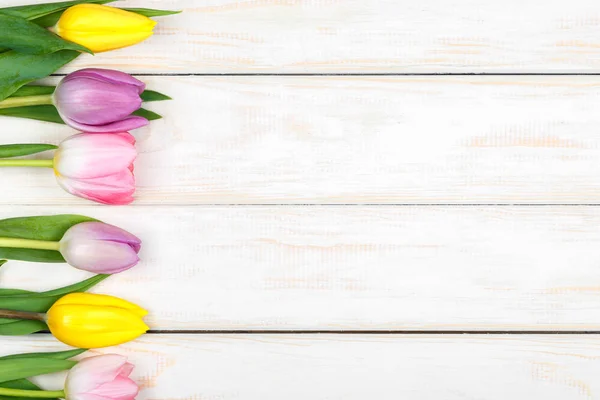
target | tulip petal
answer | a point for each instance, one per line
(93, 156)
(126, 370)
(87, 326)
(117, 189)
(128, 124)
(101, 28)
(95, 102)
(108, 75)
(93, 372)
(86, 396)
(100, 19)
(100, 300)
(121, 388)
(103, 232)
(127, 136)
(100, 257)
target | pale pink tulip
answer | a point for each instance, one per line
(97, 166)
(104, 377)
(100, 248)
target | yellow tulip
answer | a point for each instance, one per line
(89, 321)
(102, 28)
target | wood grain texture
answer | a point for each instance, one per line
(337, 140)
(354, 367)
(332, 36)
(349, 268)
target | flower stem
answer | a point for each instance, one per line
(13, 314)
(27, 163)
(29, 244)
(12, 102)
(40, 394)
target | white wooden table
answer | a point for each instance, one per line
(355, 199)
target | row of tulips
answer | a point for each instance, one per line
(95, 164)
(98, 163)
(76, 318)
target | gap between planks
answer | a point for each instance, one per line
(366, 74)
(367, 332)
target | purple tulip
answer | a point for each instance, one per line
(100, 101)
(100, 248)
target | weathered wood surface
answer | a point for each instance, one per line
(213, 259)
(356, 367)
(349, 268)
(339, 140)
(363, 36)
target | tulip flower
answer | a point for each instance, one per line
(100, 100)
(90, 246)
(91, 100)
(89, 321)
(102, 28)
(104, 377)
(97, 167)
(100, 248)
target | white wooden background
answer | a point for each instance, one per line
(354, 199)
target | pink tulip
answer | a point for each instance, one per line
(100, 101)
(100, 248)
(104, 377)
(97, 167)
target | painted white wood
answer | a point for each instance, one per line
(349, 268)
(343, 140)
(293, 36)
(354, 367)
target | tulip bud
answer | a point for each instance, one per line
(99, 248)
(100, 100)
(102, 28)
(97, 167)
(102, 377)
(91, 321)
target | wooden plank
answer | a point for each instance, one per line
(336, 140)
(349, 268)
(327, 367)
(324, 36)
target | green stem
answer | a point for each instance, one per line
(27, 163)
(23, 101)
(13, 314)
(40, 394)
(29, 244)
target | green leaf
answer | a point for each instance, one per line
(46, 113)
(49, 113)
(39, 10)
(49, 228)
(58, 355)
(149, 12)
(18, 368)
(11, 292)
(17, 69)
(20, 328)
(24, 36)
(37, 302)
(78, 287)
(151, 95)
(17, 150)
(22, 384)
(149, 115)
(33, 90)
